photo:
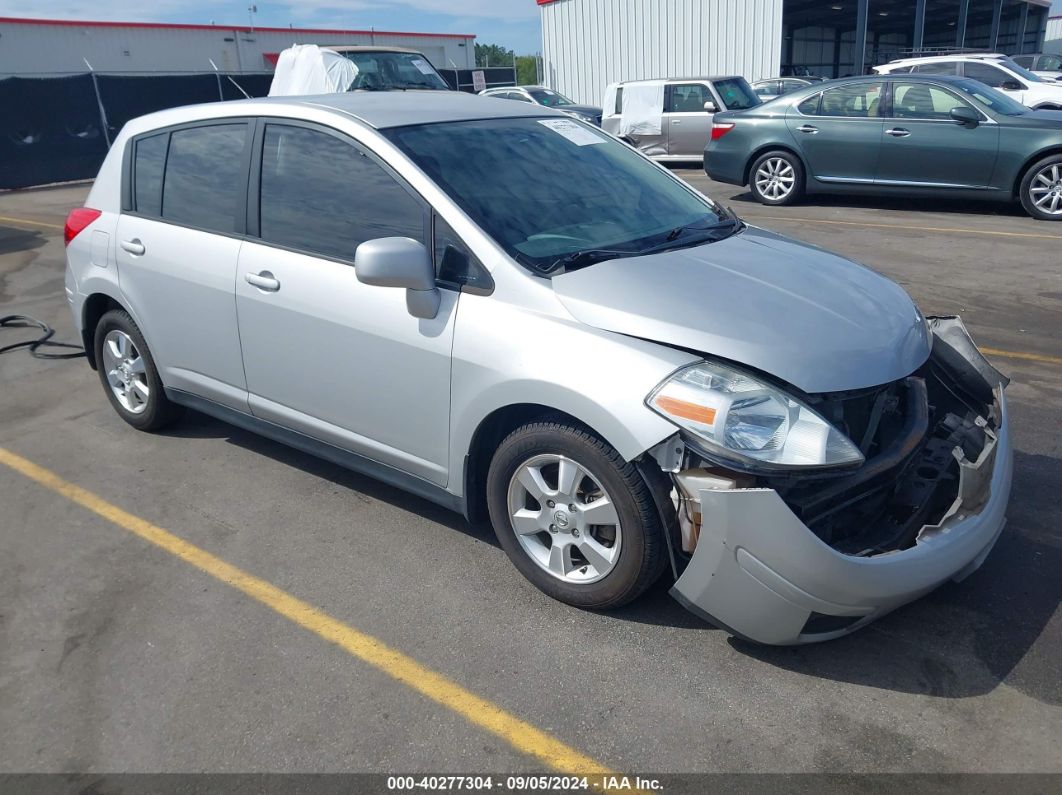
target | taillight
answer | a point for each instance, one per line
(78, 219)
(719, 129)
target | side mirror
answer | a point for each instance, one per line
(400, 262)
(710, 106)
(1012, 85)
(965, 116)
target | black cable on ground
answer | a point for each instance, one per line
(44, 341)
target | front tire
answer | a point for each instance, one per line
(777, 178)
(1041, 189)
(129, 375)
(577, 520)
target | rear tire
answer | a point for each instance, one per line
(129, 376)
(591, 535)
(777, 178)
(1041, 189)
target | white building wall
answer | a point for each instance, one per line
(35, 48)
(1053, 37)
(587, 44)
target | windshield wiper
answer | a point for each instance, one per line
(588, 256)
(717, 231)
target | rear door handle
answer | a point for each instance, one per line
(676, 121)
(898, 132)
(133, 246)
(807, 128)
(263, 281)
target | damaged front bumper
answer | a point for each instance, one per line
(759, 572)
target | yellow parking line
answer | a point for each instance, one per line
(1032, 357)
(476, 710)
(990, 232)
(31, 223)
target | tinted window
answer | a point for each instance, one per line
(149, 163)
(736, 94)
(454, 262)
(923, 101)
(810, 106)
(937, 68)
(517, 96)
(619, 100)
(689, 98)
(203, 176)
(1024, 60)
(323, 195)
(989, 75)
(994, 100)
(545, 188)
(861, 100)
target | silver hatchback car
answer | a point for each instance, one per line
(512, 313)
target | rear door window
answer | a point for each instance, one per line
(323, 195)
(688, 97)
(860, 100)
(202, 186)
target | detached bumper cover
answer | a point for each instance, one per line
(761, 574)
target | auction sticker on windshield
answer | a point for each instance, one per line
(578, 135)
(422, 66)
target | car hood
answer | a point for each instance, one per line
(813, 319)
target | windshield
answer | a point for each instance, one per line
(552, 189)
(736, 93)
(384, 71)
(1010, 64)
(551, 99)
(994, 100)
(1050, 63)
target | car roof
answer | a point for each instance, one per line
(368, 48)
(380, 109)
(975, 56)
(679, 79)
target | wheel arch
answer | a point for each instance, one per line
(762, 150)
(502, 421)
(1029, 163)
(95, 307)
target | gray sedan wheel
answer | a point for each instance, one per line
(777, 178)
(1041, 189)
(575, 518)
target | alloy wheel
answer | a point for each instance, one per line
(1046, 189)
(125, 370)
(564, 519)
(775, 178)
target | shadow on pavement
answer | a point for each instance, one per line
(962, 640)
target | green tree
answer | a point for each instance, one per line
(526, 70)
(493, 55)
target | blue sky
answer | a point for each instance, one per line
(512, 23)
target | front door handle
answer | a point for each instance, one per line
(676, 121)
(263, 281)
(133, 246)
(898, 132)
(807, 128)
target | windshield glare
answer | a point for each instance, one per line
(390, 70)
(547, 188)
(994, 100)
(551, 99)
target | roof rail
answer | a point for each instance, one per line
(923, 52)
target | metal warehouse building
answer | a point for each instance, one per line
(42, 46)
(587, 44)
(1053, 37)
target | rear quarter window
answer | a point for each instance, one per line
(149, 161)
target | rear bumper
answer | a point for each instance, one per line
(761, 574)
(723, 167)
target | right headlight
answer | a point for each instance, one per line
(743, 420)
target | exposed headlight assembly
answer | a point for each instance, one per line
(742, 420)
